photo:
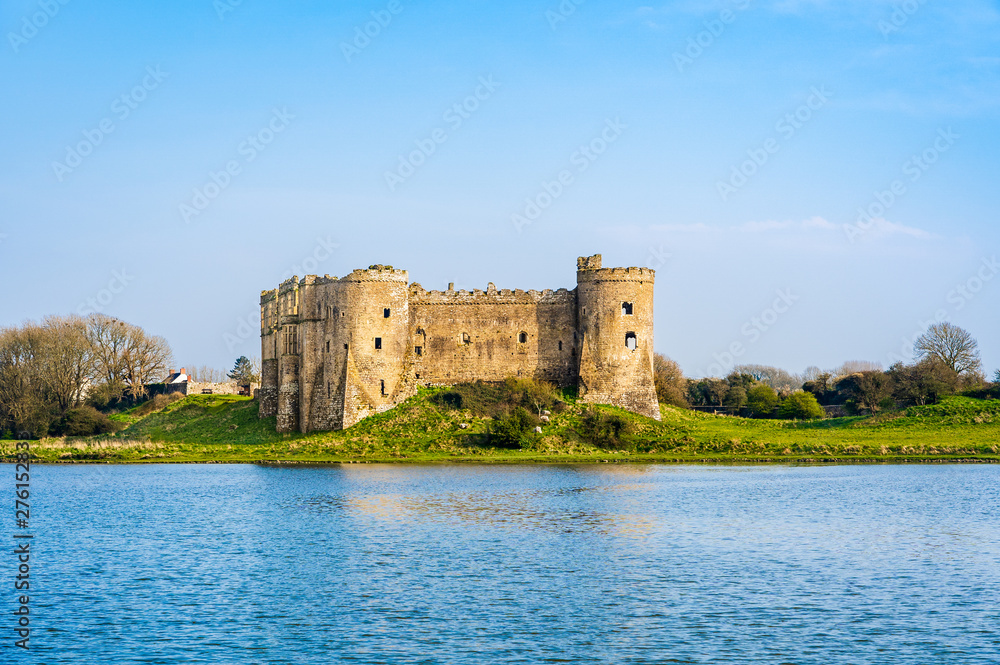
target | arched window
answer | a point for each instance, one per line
(631, 342)
(522, 337)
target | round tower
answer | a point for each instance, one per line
(615, 314)
(376, 338)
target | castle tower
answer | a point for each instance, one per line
(288, 355)
(615, 314)
(375, 330)
(269, 353)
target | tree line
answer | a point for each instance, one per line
(947, 363)
(50, 369)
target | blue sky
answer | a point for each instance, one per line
(729, 145)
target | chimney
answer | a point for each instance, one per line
(183, 370)
(173, 371)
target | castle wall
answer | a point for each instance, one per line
(465, 336)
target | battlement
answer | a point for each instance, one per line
(377, 273)
(589, 262)
(616, 275)
(491, 296)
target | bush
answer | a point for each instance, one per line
(499, 399)
(604, 429)
(84, 421)
(801, 406)
(512, 430)
(762, 400)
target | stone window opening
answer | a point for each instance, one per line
(560, 345)
(328, 346)
(378, 343)
(419, 350)
(386, 312)
(522, 337)
(626, 309)
(383, 387)
(345, 347)
(631, 342)
(328, 389)
(466, 338)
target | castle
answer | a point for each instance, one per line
(335, 351)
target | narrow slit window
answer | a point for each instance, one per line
(630, 341)
(345, 347)
(560, 346)
(386, 312)
(327, 388)
(419, 350)
(378, 342)
(328, 346)
(626, 309)
(383, 386)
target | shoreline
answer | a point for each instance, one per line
(553, 460)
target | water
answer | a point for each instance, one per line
(511, 564)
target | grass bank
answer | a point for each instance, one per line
(217, 428)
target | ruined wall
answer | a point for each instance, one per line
(220, 388)
(458, 336)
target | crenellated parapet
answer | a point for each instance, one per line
(490, 296)
(616, 275)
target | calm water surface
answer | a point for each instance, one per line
(511, 564)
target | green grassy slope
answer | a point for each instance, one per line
(226, 428)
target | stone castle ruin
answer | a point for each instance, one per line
(335, 351)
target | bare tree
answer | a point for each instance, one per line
(126, 357)
(20, 394)
(854, 367)
(951, 345)
(146, 358)
(108, 340)
(66, 360)
(783, 382)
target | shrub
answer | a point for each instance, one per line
(84, 421)
(499, 399)
(801, 406)
(603, 429)
(511, 430)
(762, 400)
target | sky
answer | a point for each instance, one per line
(813, 181)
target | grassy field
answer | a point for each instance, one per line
(207, 428)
